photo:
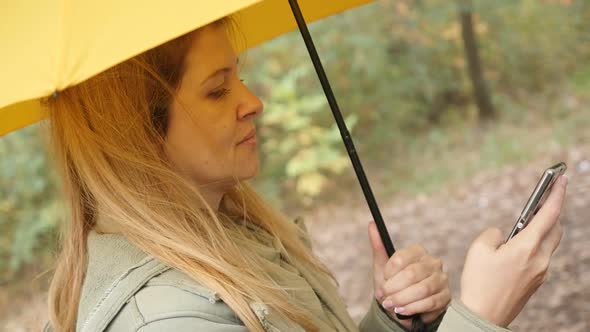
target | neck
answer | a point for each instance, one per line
(212, 196)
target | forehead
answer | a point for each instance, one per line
(211, 49)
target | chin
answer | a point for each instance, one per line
(247, 174)
(248, 168)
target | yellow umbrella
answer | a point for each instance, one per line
(49, 45)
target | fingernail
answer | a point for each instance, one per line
(399, 310)
(387, 304)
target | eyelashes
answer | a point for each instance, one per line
(220, 93)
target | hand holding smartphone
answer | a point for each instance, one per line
(538, 197)
(498, 280)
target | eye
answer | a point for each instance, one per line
(219, 93)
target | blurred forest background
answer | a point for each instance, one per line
(437, 94)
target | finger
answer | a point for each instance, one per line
(435, 303)
(490, 238)
(379, 253)
(548, 215)
(421, 290)
(402, 259)
(551, 242)
(379, 259)
(409, 276)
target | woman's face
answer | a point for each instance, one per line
(211, 135)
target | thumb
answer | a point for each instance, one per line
(380, 257)
(490, 238)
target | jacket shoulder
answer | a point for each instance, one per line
(172, 301)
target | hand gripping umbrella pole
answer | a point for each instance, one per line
(354, 158)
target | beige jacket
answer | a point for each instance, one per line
(127, 290)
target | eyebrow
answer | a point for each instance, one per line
(223, 70)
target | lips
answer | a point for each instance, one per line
(250, 135)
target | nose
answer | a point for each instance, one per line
(251, 106)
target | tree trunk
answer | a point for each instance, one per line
(480, 90)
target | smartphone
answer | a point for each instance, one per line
(538, 197)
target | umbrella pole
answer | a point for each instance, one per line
(356, 162)
(346, 138)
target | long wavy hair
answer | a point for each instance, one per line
(107, 135)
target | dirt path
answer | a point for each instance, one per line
(446, 223)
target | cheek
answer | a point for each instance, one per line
(195, 145)
(218, 124)
(179, 141)
(203, 144)
(222, 139)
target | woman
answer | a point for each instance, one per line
(165, 235)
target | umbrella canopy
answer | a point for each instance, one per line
(50, 45)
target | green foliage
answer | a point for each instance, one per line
(399, 67)
(580, 79)
(298, 144)
(531, 45)
(29, 205)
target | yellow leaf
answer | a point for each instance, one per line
(452, 32)
(311, 184)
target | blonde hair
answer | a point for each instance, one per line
(107, 135)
